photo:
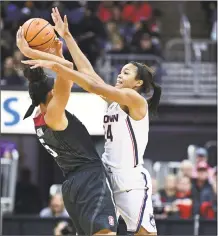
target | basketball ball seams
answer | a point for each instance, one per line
(39, 32)
(33, 46)
(29, 26)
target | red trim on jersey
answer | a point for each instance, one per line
(133, 146)
(39, 120)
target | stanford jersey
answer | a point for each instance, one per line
(72, 147)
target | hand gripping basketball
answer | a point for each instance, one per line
(21, 41)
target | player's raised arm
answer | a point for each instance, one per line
(55, 114)
(58, 93)
(36, 54)
(127, 97)
(81, 61)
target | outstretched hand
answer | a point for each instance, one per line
(39, 63)
(60, 26)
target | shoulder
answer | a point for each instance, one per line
(138, 107)
(56, 124)
(65, 214)
(134, 95)
(45, 212)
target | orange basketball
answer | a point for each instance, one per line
(39, 33)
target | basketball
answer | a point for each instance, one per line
(39, 33)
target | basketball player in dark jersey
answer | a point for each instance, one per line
(86, 193)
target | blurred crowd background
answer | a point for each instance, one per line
(109, 32)
(98, 27)
(187, 189)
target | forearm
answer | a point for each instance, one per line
(81, 61)
(83, 80)
(36, 54)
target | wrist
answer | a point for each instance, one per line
(27, 51)
(67, 35)
(55, 67)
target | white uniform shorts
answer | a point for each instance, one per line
(132, 190)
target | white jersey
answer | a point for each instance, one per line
(126, 139)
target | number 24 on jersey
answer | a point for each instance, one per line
(108, 133)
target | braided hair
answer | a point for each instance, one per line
(146, 74)
(39, 87)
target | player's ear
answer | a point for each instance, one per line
(139, 83)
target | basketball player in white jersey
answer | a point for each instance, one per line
(126, 126)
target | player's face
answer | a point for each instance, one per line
(127, 77)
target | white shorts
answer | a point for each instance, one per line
(132, 191)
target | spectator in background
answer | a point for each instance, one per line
(63, 228)
(209, 208)
(156, 198)
(91, 31)
(186, 169)
(105, 11)
(27, 200)
(116, 42)
(201, 188)
(10, 76)
(6, 41)
(124, 29)
(155, 23)
(137, 11)
(17, 58)
(139, 28)
(168, 194)
(202, 155)
(184, 197)
(55, 209)
(145, 46)
(116, 14)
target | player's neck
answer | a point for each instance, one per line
(43, 108)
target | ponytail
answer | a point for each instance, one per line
(38, 93)
(146, 74)
(155, 99)
(30, 111)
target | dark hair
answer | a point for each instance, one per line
(39, 86)
(146, 74)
